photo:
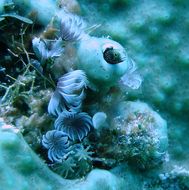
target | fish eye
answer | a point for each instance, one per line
(112, 56)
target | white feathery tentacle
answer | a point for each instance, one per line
(57, 144)
(71, 89)
(56, 105)
(72, 28)
(75, 125)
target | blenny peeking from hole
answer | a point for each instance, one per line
(100, 64)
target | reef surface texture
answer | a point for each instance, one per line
(119, 138)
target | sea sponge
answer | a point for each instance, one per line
(26, 170)
(93, 54)
(99, 120)
(142, 134)
(136, 134)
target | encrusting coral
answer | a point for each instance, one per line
(27, 168)
(103, 73)
(22, 173)
(143, 135)
(90, 124)
(136, 135)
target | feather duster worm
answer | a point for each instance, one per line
(72, 28)
(75, 125)
(69, 93)
(57, 144)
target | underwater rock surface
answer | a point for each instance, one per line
(155, 34)
(137, 135)
(22, 169)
